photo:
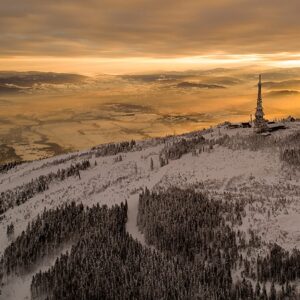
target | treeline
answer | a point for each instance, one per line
(59, 161)
(291, 156)
(280, 266)
(187, 223)
(178, 148)
(103, 265)
(56, 227)
(202, 231)
(22, 193)
(292, 140)
(253, 142)
(7, 166)
(107, 263)
(198, 251)
(289, 145)
(113, 149)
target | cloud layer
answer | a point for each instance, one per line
(169, 28)
(23, 82)
(71, 111)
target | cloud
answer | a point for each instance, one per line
(169, 28)
(5, 121)
(4, 102)
(209, 78)
(127, 108)
(282, 93)
(287, 84)
(24, 82)
(28, 79)
(10, 89)
(281, 74)
(159, 78)
(193, 85)
(223, 80)
(173, 119)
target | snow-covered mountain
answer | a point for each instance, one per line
(232, 162)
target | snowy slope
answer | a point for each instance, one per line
(244, 173)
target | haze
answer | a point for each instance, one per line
(137, 69)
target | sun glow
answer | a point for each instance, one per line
(122, 65)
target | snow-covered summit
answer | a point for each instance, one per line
(232, 161)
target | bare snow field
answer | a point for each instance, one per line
(269, 186)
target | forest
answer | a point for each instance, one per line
(114, 148)
(196, 229)
(197, 248)
(22, 193)
(197, 252)
(176, 149)
(7, 166)
(291, 156)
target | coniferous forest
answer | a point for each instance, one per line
(195, 246)
(22, 193)
(197, 252)
(150, 150)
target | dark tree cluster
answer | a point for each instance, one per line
(198, 250)
(183, 146)
(56, 227)
(113, 149)
(118, 158)
(280, 266)
(163, 160)
(200, 231)
(292, 140)
(107, 263)
(222, 140)
(189, 224)
(59, 161)
(253, 142)
(291, 156)
(10, 230)
(7, 166)
(103, 265)
(256, 142)
(21, 194)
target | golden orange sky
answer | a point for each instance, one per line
(125, 65)
(117, 36)
(154, 67)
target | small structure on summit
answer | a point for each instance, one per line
(261, 125)
(259, 122)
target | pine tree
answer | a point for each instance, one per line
(257, 290)
(264, 295)
(273, 292)
(10, 230)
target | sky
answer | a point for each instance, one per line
(77, 73)
(118, 37)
